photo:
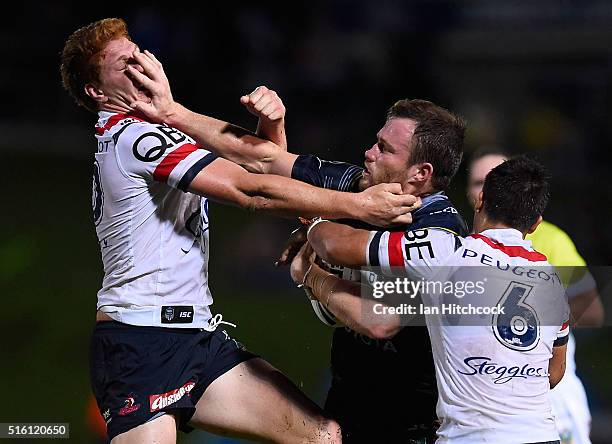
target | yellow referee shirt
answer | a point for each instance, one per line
(560, 251)
(556, 245)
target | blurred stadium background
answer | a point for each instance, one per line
(528, 76)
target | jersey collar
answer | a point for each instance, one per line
(511, 243)
(108, 119)
(507, 236)
(431, 198)
(103, 118)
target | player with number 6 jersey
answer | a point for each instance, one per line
(569, 398)
(493, 375)
(493, 371)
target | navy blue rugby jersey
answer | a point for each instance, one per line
(385, 373)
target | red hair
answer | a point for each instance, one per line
(80, 60)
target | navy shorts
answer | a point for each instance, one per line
(376, 418)
(138, 373)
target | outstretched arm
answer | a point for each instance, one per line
(229, 141)
(419, 251)
(225, 181)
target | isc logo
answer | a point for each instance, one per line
(177, 314)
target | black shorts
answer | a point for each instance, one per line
(367, 417)
(138, 373)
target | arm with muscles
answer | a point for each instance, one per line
(226, 182)
(223, 180)
(267, 106)
(418, 251)
(235, 143)
(343, 298)
(332, 175)
(343, 245)
(224, 139)
(339, 244)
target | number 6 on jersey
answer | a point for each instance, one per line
(517, 326)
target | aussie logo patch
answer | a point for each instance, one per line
(158, 402)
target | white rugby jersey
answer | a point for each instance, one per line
(491, 370)
(153, 235)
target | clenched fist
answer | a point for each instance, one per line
(264, 103)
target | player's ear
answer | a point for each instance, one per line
(534, 226)
(95, 93)
(424, 172)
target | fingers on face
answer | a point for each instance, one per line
(394, 188)
(147, 64)
(404, 200)
(140, 77)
